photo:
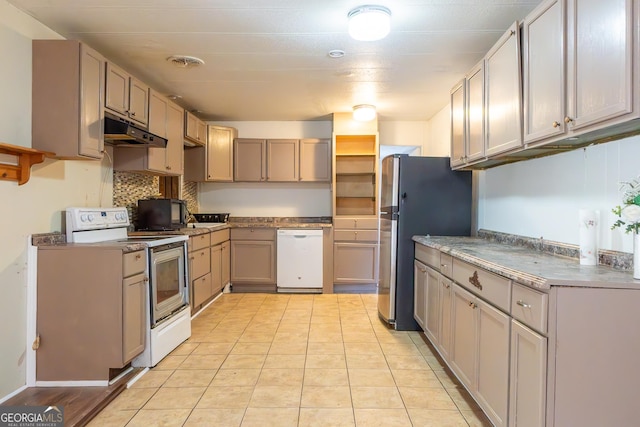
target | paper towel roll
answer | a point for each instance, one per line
(588, 223)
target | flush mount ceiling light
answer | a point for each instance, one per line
(183, 61)
(364, 112)
(369, 23)
(336, 53)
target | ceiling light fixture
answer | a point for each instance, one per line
(364, 112)
(336, 53)
(369, 23)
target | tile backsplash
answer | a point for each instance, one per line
(128, 187)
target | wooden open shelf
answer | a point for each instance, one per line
(19, 168)
(355, 145)
(351, 164)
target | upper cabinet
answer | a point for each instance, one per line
(315, 160)
(213, 162)
(283, 160)
(579, 81)
(250, 159)
(458, 127)
(166, 119)
(68, 82)
(195, 131)
(475, 107)
(503, 102)
(126, 96)
(598, 44)
(274, 160)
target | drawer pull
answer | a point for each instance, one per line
(138, 256)
(472, 304)
(523, 304)
(446, 285)
(443, 265)
(474, 280)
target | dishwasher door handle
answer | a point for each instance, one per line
(300, 236)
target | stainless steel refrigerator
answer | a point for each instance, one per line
(419, 196)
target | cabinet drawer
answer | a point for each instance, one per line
(428, 256)
(355, 235)
(253, 234)
(200, 262)
(134, 262)
(354, 222)
(201, 289)
(530, 307)
(491, 287)
(218, 237)
(446, 264)
(200, 241)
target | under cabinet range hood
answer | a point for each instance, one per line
(120, 132)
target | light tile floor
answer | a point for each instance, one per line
(295, 360)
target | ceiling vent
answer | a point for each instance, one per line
(183, 61)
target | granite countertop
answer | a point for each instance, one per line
(281, 222)
(527, 266)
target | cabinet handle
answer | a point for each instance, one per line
(472, 304)
(169, 167)
(443, 265)
(475, 281)
(446, 285)
(555, 124)
(146, 279)
(568, 120)
(138, 256)
(523, 304)
(133, 113)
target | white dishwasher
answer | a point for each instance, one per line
(299, 260)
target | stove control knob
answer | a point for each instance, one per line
(91, 217)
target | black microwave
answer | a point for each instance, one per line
(161, 214)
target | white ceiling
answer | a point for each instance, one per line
(267, 59)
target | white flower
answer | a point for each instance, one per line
(631, 213)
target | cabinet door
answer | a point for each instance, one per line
(354, 263)
(225, 263)
(202, 131)
(492, 385)
(216, 268)
(117, 90)
(249, 160)
(463, 335)
(202, 289)
(175, 146)
(220, 153)
(600, 37)
(544, 71)
(134, 318)
(315, 160)
(476, 136)
(253, 261)
(139, 102)
(503, 110)
(419, 293)
(445, 317)
(282, 160)
(528, 385)
(191, 126)
(158, 125)
(92, 82)
(433, 306)
(458, 128)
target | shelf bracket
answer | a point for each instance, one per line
(16, 162)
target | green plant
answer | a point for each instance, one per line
(630, 212)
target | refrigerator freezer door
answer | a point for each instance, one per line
(387, 279)
(389, 183)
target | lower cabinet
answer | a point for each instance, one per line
(420, 293)
(253, 258)
(480, 352)
(134, 315)
(528, 385)
(208, 266)
(354, 263)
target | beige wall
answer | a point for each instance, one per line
(36, 206)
